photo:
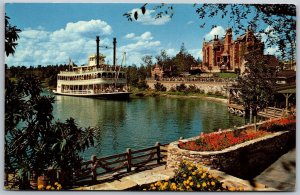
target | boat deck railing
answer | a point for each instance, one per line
(109, 69)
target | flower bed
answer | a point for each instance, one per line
(190, 177)
(281, 124)
(245, 159)
(218, 141)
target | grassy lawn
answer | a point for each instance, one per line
(155, 93)
(227, 75)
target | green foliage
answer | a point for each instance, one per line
(11, 37)
(33, 143)
(160, 87)
(255, 90)
(142, 85)
(227, 75)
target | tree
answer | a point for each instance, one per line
(255, 89)
(280, 19)
(11, 37)
(33, 143)
(148, 63)
(184, 60)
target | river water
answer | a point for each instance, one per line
(140, 123)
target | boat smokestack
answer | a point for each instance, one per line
(97, 54)
(115, 45)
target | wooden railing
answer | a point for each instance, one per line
(121, 163)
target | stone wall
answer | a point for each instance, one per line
(245, 160)
(211, 87)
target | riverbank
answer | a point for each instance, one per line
(152, 93)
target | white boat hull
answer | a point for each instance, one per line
(108, 95)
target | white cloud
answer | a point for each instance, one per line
(270, 33)
(196, 53)
(146, 36)
(149, 17)
(75, 40)
(218, 30)
(129, 36)
(171, 51)
(272, 50)
(190, 22)
(139, 46)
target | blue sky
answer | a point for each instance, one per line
(53, 32)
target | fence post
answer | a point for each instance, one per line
(128, 160)
(158, 152)
(94, 168)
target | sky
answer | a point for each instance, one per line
(54, 32)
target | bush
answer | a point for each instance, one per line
(282, 124)
(219, 141)
(182, 87)
(142, 85)
(189, 177)
(160, 87)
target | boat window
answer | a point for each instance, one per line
(104, 75)
(109, 75)
(99, 75)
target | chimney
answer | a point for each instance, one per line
(217, 36)
(97, 54)
(115, 44)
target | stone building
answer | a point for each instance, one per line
(226, 54)
(157, 72)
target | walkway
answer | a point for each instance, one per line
(281, 174)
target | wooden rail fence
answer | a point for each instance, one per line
(121, 163)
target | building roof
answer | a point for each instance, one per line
(286, 74)
(292, 90)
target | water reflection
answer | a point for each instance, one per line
(142, 122)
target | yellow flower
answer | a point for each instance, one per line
(154, 188)
(188, 181)
(190, 168)
(209, 176)
(192, 183)
(190, 178)
(184, 175)
(48, 187)
(198, 185)
(213, 183)
(203, 184)
(194, 173)
(144, 189)
(59, 187)
(52, 188)
(231, 189)
(56, 183)
(166, 179)
(241, 188)
(40, 187)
